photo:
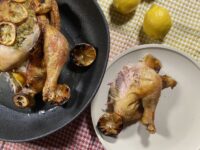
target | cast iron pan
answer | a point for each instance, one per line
(82, 21)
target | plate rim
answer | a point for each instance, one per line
(132, 49)
(164, 46)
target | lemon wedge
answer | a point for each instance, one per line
(19, 78)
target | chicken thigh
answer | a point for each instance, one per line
(134, 96)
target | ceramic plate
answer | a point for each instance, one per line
(177, 116)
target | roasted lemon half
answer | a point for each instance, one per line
(17, 13)
(7, 33)
(83, 55)
(13, 12)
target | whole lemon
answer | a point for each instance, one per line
(125, 6)
(157, 22)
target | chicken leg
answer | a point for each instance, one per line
(56, 50)
(150, 101)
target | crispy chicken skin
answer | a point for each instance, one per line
(135, 93)
(56, 50)
(45, 65)
(46, 59)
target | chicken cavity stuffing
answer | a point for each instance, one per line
(134, 95)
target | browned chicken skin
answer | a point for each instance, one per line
(56, 50)
(134, 96)
(46, 60)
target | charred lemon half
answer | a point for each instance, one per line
(7, 33)
(17, 12)
(110, 124)
(83, 55)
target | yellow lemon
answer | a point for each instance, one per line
(19, 78)
(125, 6)
(157, 22)
(7, 33)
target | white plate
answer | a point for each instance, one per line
(177, 116)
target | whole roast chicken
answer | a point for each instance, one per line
(30, 38)
(134, 95)
(25, 33)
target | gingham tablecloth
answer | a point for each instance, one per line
(125, 32)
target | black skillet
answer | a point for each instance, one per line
(82, 22)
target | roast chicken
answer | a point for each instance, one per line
(39, 44)
(27, 34)
(134, 95)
